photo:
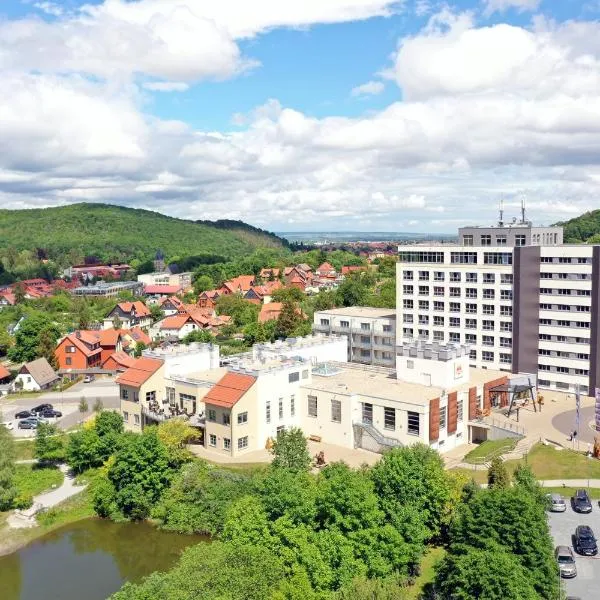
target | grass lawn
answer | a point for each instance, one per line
(488, 448)
(549, 463)
(428, 562)
(24, 450)
(32, 481)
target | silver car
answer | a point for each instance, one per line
(556, 503)
(566, 561)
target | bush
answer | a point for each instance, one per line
(23, 501)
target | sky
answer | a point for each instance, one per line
(304, 115)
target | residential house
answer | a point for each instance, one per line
(353, 269)
(118, 361)
(134, 336)
(327, 271)
(80, 350)
(140, 386)
(269, 273)
(35, 376)
(167, 279)
(208, 298)
(171, 305)
(261, 294)
(131, 314)
(176, 327)
(4, 374)
(158, 293)
(270, 311)
(7, 298)
(237, 285)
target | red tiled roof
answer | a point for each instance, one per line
(141, 370)
(162, 289)
(9, 297)
(229, 390)
(141, 309)
(243, 283)
(174, 300)
(210, 294)
(325, 267)
(175, 321)
(81, 342)
(139, 335)
(4, 372)
(269, 311)
(122, 359)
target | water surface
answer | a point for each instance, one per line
(88, 560)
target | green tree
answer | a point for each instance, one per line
(498, 476)
(483, 574)
(117, 323)
(83, 405)
(199, 335)
(139, 348)
(46, 347)
(241, 311)
(215, 571)
(361, 588)
(290, 450)
(49, 444)
(6, 341)
(288, 320)
(203, 283)
(27, 338)
(83, 450)
(19, 293)
(140, 473)
(156, 312)
(353, 291)
(175, 434)
(98, 405)
(8, 490)
(414, 476)
(288, 294)
(247, 524)
(525, 479)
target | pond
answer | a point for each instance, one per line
(89, 559)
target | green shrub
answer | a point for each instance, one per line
(23, 501)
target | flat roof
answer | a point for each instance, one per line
(361, 311)
(210, 376)
(369, 383)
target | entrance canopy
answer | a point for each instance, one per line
(516, 391)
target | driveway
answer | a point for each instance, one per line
(562, 528)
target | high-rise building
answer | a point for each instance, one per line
(520, 298)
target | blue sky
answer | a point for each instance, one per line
(264, 117)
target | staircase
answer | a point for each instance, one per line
(370, 438)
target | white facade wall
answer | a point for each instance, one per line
(27, 383)
(316, 349)
(438, 373)
(187, 359)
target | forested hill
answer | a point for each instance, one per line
(583, 229)
(113, 233)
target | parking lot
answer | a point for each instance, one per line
(105, 390)
(562, 526)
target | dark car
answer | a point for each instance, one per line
(581, 502)
(50, 413)
(28, 424)
(41, 407)
(23, 414)
(585, 542)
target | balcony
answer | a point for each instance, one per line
(172, 412)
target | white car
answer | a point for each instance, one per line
(9, 425)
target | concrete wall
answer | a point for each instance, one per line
(437, 373)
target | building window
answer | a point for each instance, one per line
(365, 326)
(126, 417)
(455, 307)
(443, 411)
(389, 418)
(438, 321)
(170, 395)
(423, 304)
(336, 411)
(211, 415)
(423, 319)
(505, 294)
(506, 311)
(226, 443)
(292, 405)
(280, 408)
(407, 275)
(343, 325)
(293, 377)
(454, 322)
(486, 240)
(407, 304)
(367, 413)
(438, 336)
(268, 412)
(520, 240)
(455, 277)
(488, 309)
(454, 292)
(423, 275)
(506, 278)
(324, 321)
(312, 406)
(422, 257)
(467, 240)
(407, 318)
(439, 276)
(470, 338)
(437, 305)
(242, 418)
(463, 258)
(407, 289)
(488, 325)
(471, 308)
(472, 354)
(489, 278)
(504, 326)
(136, 419)
(454, 337)
(459, 410)
(124, 394)
(489, 294)
(487, 340)
(471, 278)
(487, 356)
(150, 396)
(438, 290)
(423, 290)
(471, 323)
(226, 418)
(505, 358)
(471, 293)
(497, 258)
(242, 442)
(414, 420)
(500, 240)
(212, 440)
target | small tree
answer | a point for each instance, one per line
(117, 323)
(83, 405)
(98, 405)
(8, 490)
(290, 450)
(288, 320)
(175, 434)
(19, 293)
(46, 347)
(49, 444)
(497, 474)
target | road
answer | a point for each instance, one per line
(105, 390)
(565, 423)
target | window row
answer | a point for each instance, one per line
(226, 442)
(565, 292)
(564, 323)
(563, 370)
(458, 276)
(455, 292)
(566, 260)
(280, 409)
(567, 276)
(565, 307)
(453, 336)
(489, 356)
(563, 338)
(563, 354)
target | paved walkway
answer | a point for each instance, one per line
(26, 518)
(575, 483)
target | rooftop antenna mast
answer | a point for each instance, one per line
(501, 221)
(523, 209)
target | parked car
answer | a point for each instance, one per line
(28, 424)
(581, 502)
(50, 413)
(41, 407)
(585, 541)
(88, 379)
(566, 561)
(556, 503)
(23, 414)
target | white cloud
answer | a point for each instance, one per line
(371, 88)
(492, 6)
(50, 8)
(487, 113)
(186, 41)
(166, 86)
